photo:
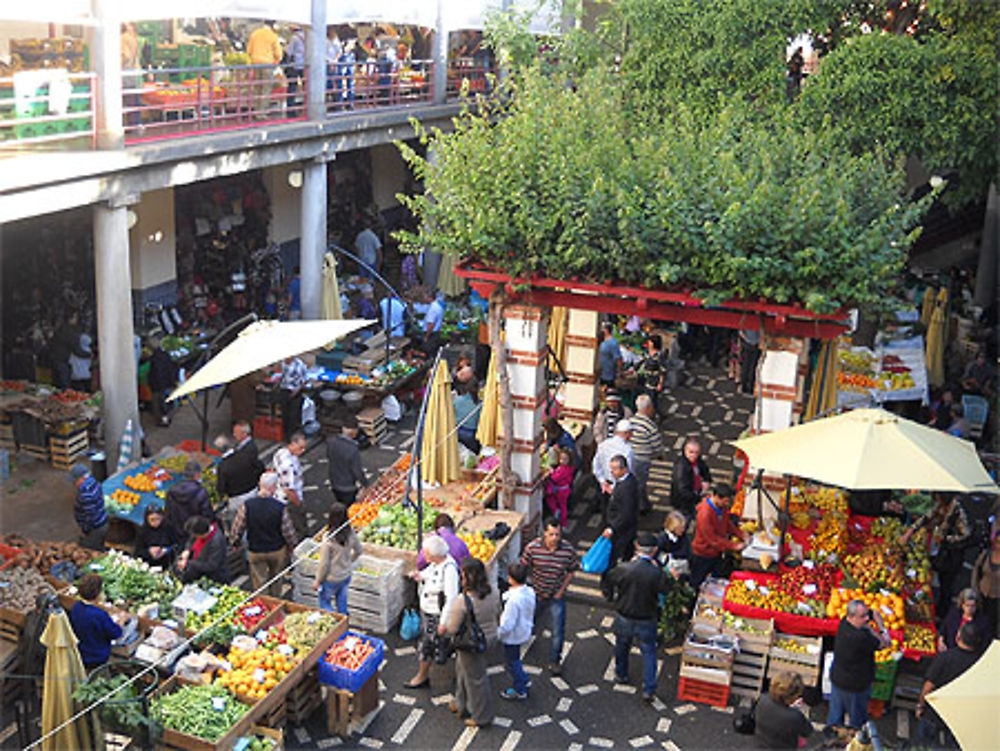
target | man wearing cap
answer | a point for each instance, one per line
(610, 415)
(89, 508)
(635, 588)
(616, 445)
(623, 510)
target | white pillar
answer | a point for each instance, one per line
(312, 244)
(440, 56)
(316, 62)
(106, 62)
(114, 324)
(580, 390)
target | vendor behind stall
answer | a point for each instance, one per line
(205, 553)
(92, 625)
(157, 541)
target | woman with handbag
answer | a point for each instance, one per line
(950, 533)
(471, 620)
(437, 585)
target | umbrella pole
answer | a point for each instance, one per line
(418, 441)
(784, 516)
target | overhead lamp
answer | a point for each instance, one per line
(295, 178)
(131, 218)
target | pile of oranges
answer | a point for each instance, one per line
(245, 681)
(889, 604)
(349, 379)
(362, 514)
(125, 498)
(140, 483)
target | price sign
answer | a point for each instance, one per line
(350, 643)
(808, 589)
(809, 565)
(765, 591)
(253, 610)
(285, 650)
(313, 617)
(226, 666)
(260, 675)
(911, 573)
(219, 703)
(751, 584)
(261, 636)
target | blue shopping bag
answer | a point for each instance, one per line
(598, 557)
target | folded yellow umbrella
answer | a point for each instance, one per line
(331, 289)
(871, 449)
(969, 703)
(557, 336)
(439, 450)
(263, 343)
(63, 672)
(448, 281)
(927, 307)
(935, 346)
(823, 388)
(489, 414)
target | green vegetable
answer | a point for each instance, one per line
(676, 611)
(123, 711)
(304, 630)
(190, 710)
(130, 582)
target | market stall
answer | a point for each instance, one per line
(894, 371)
(45, 422)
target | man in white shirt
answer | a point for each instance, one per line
(393, 310)
(433, 320)
(289, 470)
(369, 249)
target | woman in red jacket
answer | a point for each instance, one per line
(713, 529)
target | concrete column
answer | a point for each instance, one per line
(580, 392)
(312, 244)
(440, 55)
(526, 329)
(106, 62)
(114, 324)
(316, 62)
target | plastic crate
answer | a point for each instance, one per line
(377, 576)
(690, 689)
(885, 680)
(352, 680)
(975, 408)
(268, 428)
(7, 555)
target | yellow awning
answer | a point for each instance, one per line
(63, 673)
(489, 412)
(871, 449)
(969, 703)
(927, 307)
(439, 461)
(263, 343)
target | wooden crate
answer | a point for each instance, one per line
(304, 699)
(806, 664)
(38, 452)
(7, 437)
(372, 422)
(750, 662)
(67, 449)
(344, 708)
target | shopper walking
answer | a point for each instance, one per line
(161, 379)
(270, 534)
(477, 602)
(713, 529)
(609, 416)
(264, 51)
(337, 557)
(239, 470)
(945, 668)
(616, 445)
(860, 634)
(288, 467)
(293, 380)
(516, 624)
(986, 579)
(623, 510)
(635, 588)
(88, 510)
(691, 478)
(647, 445)
(347, 474)
(437, 585)
(188, 498)
(551, 562)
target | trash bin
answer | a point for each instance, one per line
(99, 466)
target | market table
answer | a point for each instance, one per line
(136, 515)
(487, 519)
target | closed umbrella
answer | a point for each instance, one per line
(871, 449)
(823, 390)
(936, 340)
(969, 703)
(439, 452)
(489, 412)
(557, 336)
(448, 281)
(331, 290)
(263, 343)
(125, 445)
(927, 307)
(63, 671)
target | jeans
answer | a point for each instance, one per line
(557, 612)
(855, 703)
(334, 592)
(627, 629)
(513, 654)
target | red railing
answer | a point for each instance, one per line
(47, 109)
(174, 102)
(467, 77)
(378, 84)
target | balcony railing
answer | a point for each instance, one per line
(47, 108)
(57, 109)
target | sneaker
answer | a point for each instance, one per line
(555, 668)
(511, 695)
(648, 698)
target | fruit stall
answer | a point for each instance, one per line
(45, 422)
(894, 372)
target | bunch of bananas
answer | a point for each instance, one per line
(830, 537)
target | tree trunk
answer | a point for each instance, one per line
(508, 480)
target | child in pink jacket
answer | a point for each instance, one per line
(559, 485)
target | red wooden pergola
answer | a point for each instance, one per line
(657, 303)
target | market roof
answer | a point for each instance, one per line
(658, 303)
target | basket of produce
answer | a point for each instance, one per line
(350, 662)
(198, 717)
(127, 712)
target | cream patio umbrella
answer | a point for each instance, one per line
(63, 672)
(263, 343)
(969, 703)
(439, 461)
(331, 289)
(489, 409)
(871, 449)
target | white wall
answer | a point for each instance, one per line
(388, 175)
(286, 203)
(153, 261)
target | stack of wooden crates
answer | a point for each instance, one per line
(754, 638)
(797, 654)
(707, 655)
(372, 423)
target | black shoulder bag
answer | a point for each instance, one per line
(470, 637)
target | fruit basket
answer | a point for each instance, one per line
(797, 654)
(919, 640)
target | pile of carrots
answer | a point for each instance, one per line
(350, 658)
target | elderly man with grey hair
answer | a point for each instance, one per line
(437, 585)
(647, 446)
(861, 633)
(270, 534)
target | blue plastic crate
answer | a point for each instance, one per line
(976, 409)
(352, 680)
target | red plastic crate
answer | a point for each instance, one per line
(7, 555)
(690, 689)
(268, 428)
(876, 708)
(190, 446)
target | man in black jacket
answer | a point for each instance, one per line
(162, 377)
(623, 510)
(188, 498)
(635, 588)
(691, 479)
(347, 474)
(240, 469)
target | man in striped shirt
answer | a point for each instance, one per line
(647, 446)
(551, 562)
